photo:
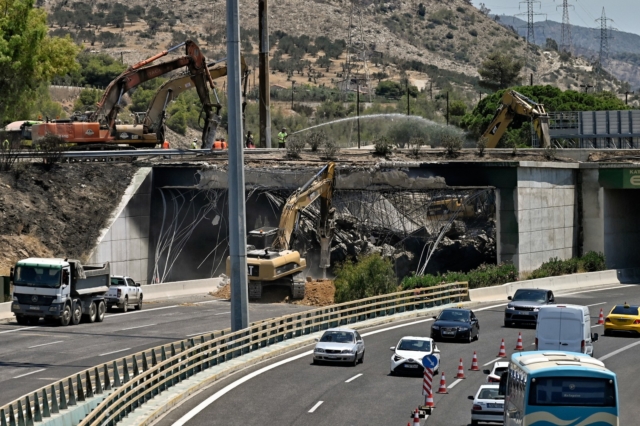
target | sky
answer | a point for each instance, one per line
(583, 13)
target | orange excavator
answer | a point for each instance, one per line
(100, 127)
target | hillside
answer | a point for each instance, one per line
(442, 43)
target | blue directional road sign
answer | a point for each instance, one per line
(430, 361)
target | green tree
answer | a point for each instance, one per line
(87, 100)
(389, 89)
(99, 70)
(28, 57)
(551, 44)
(500, 71)
(370, 276)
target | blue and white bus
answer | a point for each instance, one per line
(545, 388)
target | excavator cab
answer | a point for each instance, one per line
(262, 238)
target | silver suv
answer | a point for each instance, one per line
(523, 306)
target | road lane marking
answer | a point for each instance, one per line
(139, 312)
(208, 301)
(596, 304)
(491, 362)
(45, 344)
(454, 383)
(16, 329)
(47, 378)
(315, 407)
(115, 352)
(353, 378)
(138, 326)
(27, 374)
(199, 333)
(616, 352)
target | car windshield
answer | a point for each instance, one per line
(454, 315)
(117, 281)
(337, 337)
(622, 310)
(414, 345)
(530, 296)
(34, 276)
(488, 394)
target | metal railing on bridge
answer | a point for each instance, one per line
(137, 378)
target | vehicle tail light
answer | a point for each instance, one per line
(636, 322)
(608, 320)
(477, 407)
(493, 380)
(119, 292)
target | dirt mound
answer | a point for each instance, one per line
(316, 293)
(57, 212)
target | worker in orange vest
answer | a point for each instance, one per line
(217, 144)
(165, 144)
(224, 144)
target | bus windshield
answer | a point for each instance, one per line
(572, 391)
(33, 276)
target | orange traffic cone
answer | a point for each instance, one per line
(443, 385)
(503, 351)
(519, 344)
(460, 374)
(416, 418)
(474, 363)
(601, 318)
(428, 402)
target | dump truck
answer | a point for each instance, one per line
(61, 291)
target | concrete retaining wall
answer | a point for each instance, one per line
(563, 282)
(180, 288)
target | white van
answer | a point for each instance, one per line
(565, 328)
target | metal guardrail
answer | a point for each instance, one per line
(135, 379)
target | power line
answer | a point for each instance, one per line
(604, 40)
(566, 44)
(531, 37)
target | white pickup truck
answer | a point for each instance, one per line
(123, 293)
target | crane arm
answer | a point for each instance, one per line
(321, 185)
(512, 104)
(108, 107)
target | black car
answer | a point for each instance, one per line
(524, 305)
(456, 323)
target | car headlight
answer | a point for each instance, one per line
(509, 306)
(536, 309)
(320, 350)
(348, 351)
(15, 298)
(397, 358)
(435, 327)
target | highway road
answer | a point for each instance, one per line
(32, 357)
(289, 390)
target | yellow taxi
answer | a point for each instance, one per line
(623, 318)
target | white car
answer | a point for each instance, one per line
(487, 405)
(339, 345)
(497, 370)
(408, 353)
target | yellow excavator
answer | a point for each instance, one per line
(153, 121)
(512, 104)
(270, 259)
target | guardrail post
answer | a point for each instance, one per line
(54, 401)
(80, 390)
(136, 370)
(88, 384)
(29, 419)
(72, 395)
(98, 382)
(12, 416)
(125, 371)
(154, 360)
(145, 365)
(20, 414)
(3, 418)
(37, 416)
(63, 398)
(116, 375)
(45, 404)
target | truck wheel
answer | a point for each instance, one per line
(22, 320)
(139, 305)
(101, 309)
(76, 313)
(91, 317)
(65, 315)
(125, 304)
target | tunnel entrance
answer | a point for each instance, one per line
(621, 228)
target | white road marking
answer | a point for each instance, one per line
(45, 344)
(139, 312)
(208, 301)
(138, 326)
(47, 378)
(596, 304)
(198, 333)
(454, 383)
(16, 329)
(353, 378)
(315, 407)
(616, 352)
(223, 313)
(27, 374)
(115, 352)
(492, 361)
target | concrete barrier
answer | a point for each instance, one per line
(5, 311)
(180, 288)
(561, 283)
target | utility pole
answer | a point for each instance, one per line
(431, 90)
(265, 94)
(531, 79)
(626, 96)
(358, 110)
(586, 87)
(408, 107)
(447, 108)
(565, 44)
(292, 83)
(604, 40)
(237, 208)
